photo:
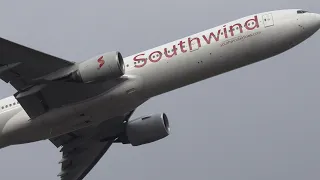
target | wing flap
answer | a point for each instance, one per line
(39, 99)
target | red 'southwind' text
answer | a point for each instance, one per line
(195, 42)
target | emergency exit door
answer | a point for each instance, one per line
(268, 20)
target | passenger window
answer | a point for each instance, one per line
(10, 105)
(14, 103)
(6, 106)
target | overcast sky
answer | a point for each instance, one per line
(260, 122)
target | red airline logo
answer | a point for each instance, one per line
(101, 62)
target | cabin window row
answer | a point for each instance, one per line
(10, 105)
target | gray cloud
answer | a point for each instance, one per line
(258, 122)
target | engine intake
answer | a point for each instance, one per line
(100, 68)
(147, 129)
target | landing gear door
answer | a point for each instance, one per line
(268, 20)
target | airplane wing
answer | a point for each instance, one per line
(82, 149)
(22, 67)
(20, 64)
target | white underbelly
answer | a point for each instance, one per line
(118, 101)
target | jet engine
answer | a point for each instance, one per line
(100, 68)
(147, 129)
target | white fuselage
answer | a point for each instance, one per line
(165, 68)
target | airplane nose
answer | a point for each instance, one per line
(310, 22)
(317, 20)
(314, 21)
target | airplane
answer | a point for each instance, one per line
(85, 107)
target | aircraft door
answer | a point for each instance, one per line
(268, 20)
(194, 45)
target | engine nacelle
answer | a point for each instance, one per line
(147, 129)
(100, 68)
